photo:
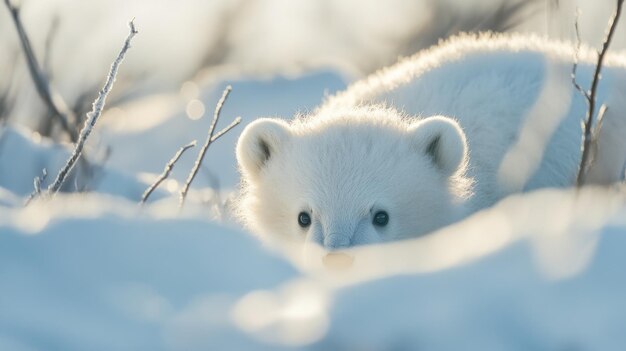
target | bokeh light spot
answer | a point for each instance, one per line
(195, 109)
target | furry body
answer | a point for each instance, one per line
(510, 121)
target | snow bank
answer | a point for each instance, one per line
(501, 302)
(97, 272)
(537, 272)
(93, 272)
(24, 155)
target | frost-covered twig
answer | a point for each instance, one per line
(92, 117)
(209, 140)
(166, 171)
(38, 180)
(587, 136)
(53, 100)
(37, 185)
(232, 125)
(582, 91)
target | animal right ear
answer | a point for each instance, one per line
(443, 141)
(259, 142)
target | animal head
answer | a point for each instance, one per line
(361, 176)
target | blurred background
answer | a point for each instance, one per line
(282, 57)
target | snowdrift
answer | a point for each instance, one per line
(98, 272)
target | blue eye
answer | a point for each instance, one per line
(304, 219)
(381, 218)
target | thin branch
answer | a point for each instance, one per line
(92, 117)
(38, 180)
(601, 113)
(52, 33)
(592, 95)
(54, 101)
(6, 103)
(37, 185)
(232, 125)
(582, 91)
(595, 134)
(166, 171)
(209, 140)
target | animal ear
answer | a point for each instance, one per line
(443, 141)
(260, 141)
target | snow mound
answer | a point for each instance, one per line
(96, 271)
(99, 272)
(24, 155)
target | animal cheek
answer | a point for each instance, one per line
(315, 235)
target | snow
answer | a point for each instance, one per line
(250, 99)
(501, 302)
(98, 271)
(23, 156)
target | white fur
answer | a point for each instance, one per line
(370, 148)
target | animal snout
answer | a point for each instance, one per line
(338, 260)
(335, 241)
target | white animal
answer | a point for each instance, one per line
(371, 164)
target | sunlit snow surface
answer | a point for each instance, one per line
(538, 272)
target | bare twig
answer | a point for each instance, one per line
(601, 113)
(38, 180)
(37, 185)
(592, 94)
(52, 33)
(582, 91)
(175, 158)
(595, 134)
(232, 125)
(209, 140)
(92, 117)
(166, 171)
(53, 100)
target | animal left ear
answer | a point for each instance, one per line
(259, 142)
(442, 140)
